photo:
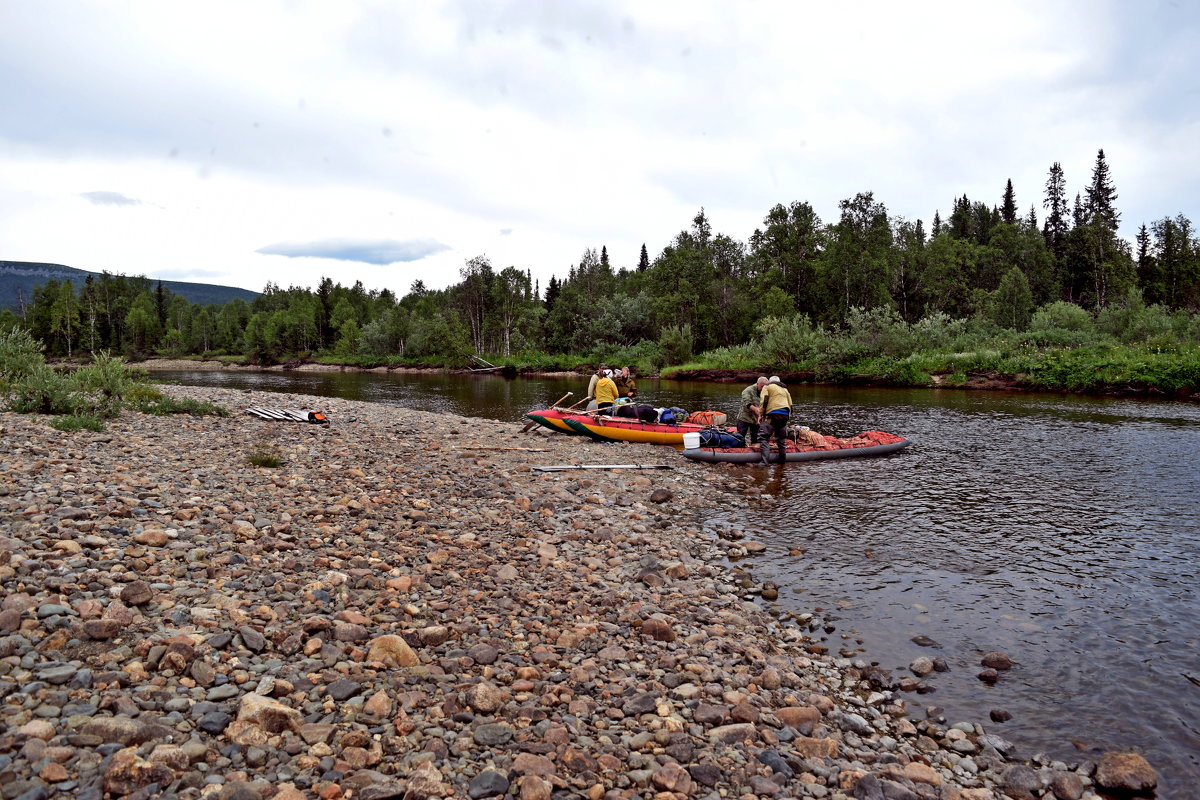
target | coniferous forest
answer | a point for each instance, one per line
(1046, 290)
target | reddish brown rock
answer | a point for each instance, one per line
(121, 730)
(392, 651)
(127, 772)
(485, 697)
(922, 773)
(120, 613)
(137, 593)
(532, 764)
(1126, 772)
(270, 715)
(153, 537)
(434, 635)
(349, 632)
(671, 777)
(796, 716)
(996, 660)
(731, 734)
(379, 705)
(576, 760)
(10, 620)
(535, 788)
(659, 630)
(806, 747)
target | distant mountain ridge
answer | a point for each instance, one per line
(18, 279)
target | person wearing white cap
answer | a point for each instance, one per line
(775, 403)
(606, 391)
(596, 376)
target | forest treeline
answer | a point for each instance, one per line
(984, 268)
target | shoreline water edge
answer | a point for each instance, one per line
(980, 381)
(406, 608)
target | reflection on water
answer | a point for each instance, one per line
(1061, 530)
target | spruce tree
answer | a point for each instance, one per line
(1101, 196)
(643, 260)
(1008, 211)
(604, 256)
(1055, 203)
(937, 224)
(553, 288)
(1031, 221)
(1143, 247)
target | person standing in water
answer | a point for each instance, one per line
(747, 418)
(775, 408)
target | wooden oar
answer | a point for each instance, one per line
(561, 467)
(527, 428)
(584, 400)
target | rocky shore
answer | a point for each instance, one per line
(405, 608)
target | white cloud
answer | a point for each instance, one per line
(378, 252)
(529, 131)
(109, 199)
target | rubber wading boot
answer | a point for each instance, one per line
(782, 452)
(764, 448)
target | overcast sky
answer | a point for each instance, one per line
(244, 142)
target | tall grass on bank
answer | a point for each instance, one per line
(1130, 348)
(83, 398)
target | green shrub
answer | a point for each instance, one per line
(71, 423)
(789, 341)
(677, 342)
(43, 391)
(1061, 315)
(264, 452)
(879, 331)
(153, 402)
(263, 458)
(101, 386)
(741, 356)
(20, 355)
(1137, 324)
(646, 356)
(937, 331)
(906, 372)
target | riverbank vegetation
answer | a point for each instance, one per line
(80, 399)
(1061, 303)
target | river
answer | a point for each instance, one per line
(1062, 530)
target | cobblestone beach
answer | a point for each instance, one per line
(404, 608)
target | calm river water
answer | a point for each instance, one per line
(1062, 530)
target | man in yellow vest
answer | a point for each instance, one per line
(775, 404)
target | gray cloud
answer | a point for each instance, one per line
(109, 199)
(383, 251)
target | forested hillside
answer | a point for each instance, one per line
(799, 290)
(19, 279)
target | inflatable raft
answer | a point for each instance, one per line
(613, 429)
(868, 443)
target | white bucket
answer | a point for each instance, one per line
(691, 441)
